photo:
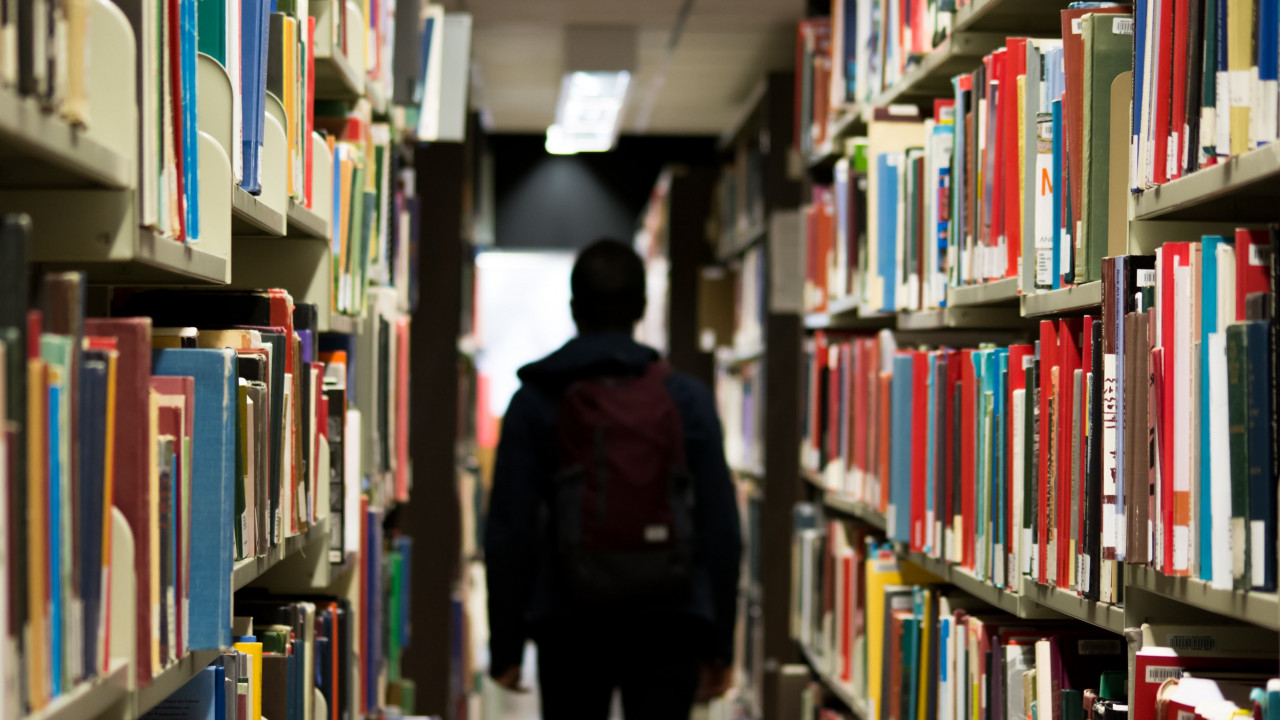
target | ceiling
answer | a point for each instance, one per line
(696, 89)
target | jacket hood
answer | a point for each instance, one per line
(586, 355)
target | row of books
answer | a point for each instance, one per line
(1204, 84)
(207, 419)
(1141, 435)
(889, 635)
(864, 48)
(740, 193)
(36, 64)
(1012, 171)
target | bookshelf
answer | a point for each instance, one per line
(85, 169)
(1230, 196)
(41, 150)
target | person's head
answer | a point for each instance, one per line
(608, 288)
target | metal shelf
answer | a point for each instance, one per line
(1014, 604)
(1107, 617)
(170, 680)
(90, 698)
(252, 217)
(955, 318)
(345, 324)
(834, 686)
(841, 505)
(1024, 17)
(305, 223)
(1069, 300)
(989, 293)
(250, 569)
(156, 260)
(931, 77)
(41, 150)
(1257, 608)
(336, 79)
(1239, 189)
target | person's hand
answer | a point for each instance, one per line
(716, 681)
(509, 679)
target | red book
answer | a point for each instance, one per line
(1048, 363)
(1073, 100)
(968, 461)
(1162, 93)
(1000, 184)
(815, 404)
(132, 459)
(1068, 362)
(1253, 251)
(834, 406)
(1015, 67)
(953, 376)
(886, 418)
(861, 377)
(846, 612)
(175, 85)
(1178, 101)
(919, 445)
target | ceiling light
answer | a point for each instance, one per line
(589, 112)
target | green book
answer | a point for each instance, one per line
(1237, 437)
(211, 27)
(1108, 53)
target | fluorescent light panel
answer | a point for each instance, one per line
(589, 112)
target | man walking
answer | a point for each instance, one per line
(613, 536)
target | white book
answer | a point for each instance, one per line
(1220, 489)
(1183, 410)
(1017, 563)
(1047, 690)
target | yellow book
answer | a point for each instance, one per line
(37, 563)
(153, 475)
(254, 651)
(290, 95)
(108, 500)
(926, 638)
(883, 570)
(1239, 74)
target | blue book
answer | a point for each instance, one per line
(1139, 73)
(981, 523)
(56, 620)
(93, 442)
(959, 216)
(219, 698)
(428, 36)
(1209, 323)
(1058, 265)
(900, 447)
(1262, 487)
(254, 16)
(190, 126)
(1000, 468)
(197, 700)
(887, 199)
(212, 487)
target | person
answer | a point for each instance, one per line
(662, 650)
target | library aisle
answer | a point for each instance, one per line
(984, 293)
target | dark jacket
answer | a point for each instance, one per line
(523, 596)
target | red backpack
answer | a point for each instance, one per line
(623, 494)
